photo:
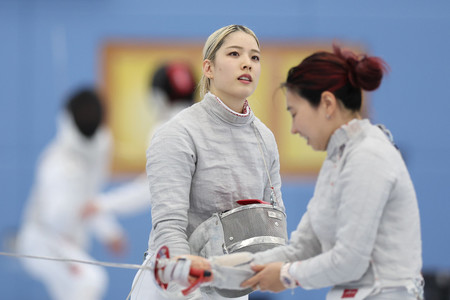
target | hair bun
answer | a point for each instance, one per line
(363, 72)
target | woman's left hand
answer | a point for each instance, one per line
(267, 278)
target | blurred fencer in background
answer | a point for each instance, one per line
(71, 170)
(171, 89)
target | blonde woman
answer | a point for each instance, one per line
(207, 157)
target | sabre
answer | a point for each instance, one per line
(98, 263)
(158, 268)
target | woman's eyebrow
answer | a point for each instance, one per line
(242, 48)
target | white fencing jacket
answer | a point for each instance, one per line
(201, 162)
(70, 172)
(362, 225)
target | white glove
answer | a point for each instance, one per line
(175, 271)
(229, 271)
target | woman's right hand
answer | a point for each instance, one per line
(199, 266)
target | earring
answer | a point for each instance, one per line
(328, 117)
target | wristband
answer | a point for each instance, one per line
(287, 279)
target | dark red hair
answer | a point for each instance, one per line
(341, 72)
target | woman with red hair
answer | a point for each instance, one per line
(361, 231)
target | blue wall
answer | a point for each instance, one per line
(48, 47)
